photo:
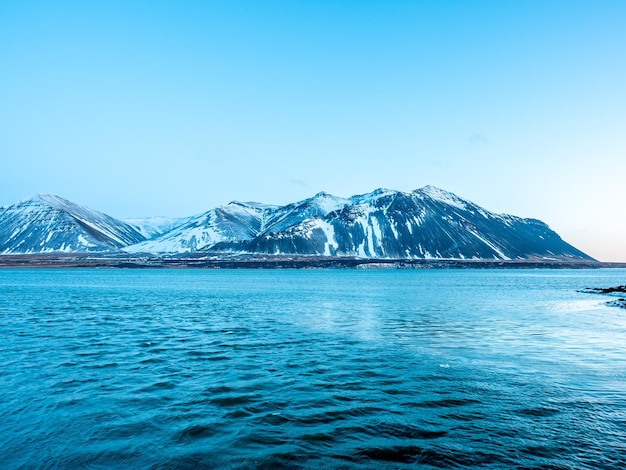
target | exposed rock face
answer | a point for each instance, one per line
(426, 223)
(47, 223)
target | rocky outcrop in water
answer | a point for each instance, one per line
(619, 302)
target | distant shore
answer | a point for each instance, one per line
(257, 261)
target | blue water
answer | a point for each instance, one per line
(311, 369)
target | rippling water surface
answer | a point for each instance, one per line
(308, 369)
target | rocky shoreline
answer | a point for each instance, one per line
(619, 302)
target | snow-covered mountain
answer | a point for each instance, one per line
(428, 223)
(233, 222)
(237, 223)
(47, 223)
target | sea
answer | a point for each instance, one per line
(367, 369)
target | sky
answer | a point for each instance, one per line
(145, 108)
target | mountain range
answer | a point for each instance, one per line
(428, 223)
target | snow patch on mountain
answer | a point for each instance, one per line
(151, 227)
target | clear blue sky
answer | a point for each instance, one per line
(139, 108)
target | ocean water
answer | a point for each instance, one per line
(311, 369)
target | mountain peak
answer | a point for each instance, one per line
(49, 223)
(441, 195)
(375, 195)
(434, 191)
(57, 202)
(380, 191)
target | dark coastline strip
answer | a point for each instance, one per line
(257, 261)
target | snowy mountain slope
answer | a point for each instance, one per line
(152, 227)
(317, 206)
(47, 223)
(235, 221)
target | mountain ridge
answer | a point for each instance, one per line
(426, 223)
